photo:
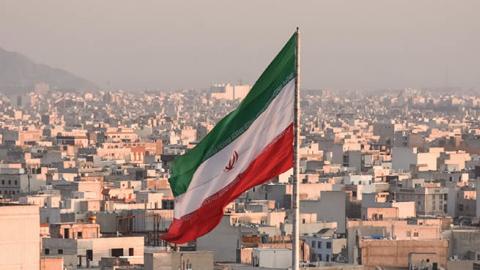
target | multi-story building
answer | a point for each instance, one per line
(19, 237)
(430, 200)
(81, 245)
(13, 181)
(326, 247)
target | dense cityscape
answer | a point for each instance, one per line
(388, 181)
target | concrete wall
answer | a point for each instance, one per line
(309, 228)
(385, 131)
(477, 188)
(223, 241)
(19, 237)
(428, 161)
(102, 247)
(397, 229)
(50, 215)
(51, 263)
(331, 207)
(460, 265)
(452, 200)
(276, 192)
(311, 191)
(463, 243)
(395, 253)
(68, 247)
(337, 267)
(403, 157)
(379, 213)
(199, 260)
(272, 258)
(405, 209)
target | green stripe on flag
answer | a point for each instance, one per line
(280, 71)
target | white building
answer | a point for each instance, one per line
(76, 252)
(403, 158)
(326, 248)
(229, 91)
(272, 257)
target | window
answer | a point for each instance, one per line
(329, 245)
(117, 252)
(79, 235)
(415, 234)
(319, 245)
(47, 251)
(3, 182)
(314, 243)
(89, 254)
(66, 233)
(327, 258)
(16, 182)
(320, 257)
(130, 252)
(9, 182)
(60, 251)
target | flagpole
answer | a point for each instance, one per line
(295, 183)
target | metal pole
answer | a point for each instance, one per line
(295, 183)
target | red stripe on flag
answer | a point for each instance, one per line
(275, 159)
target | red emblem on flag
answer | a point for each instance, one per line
(232, 162)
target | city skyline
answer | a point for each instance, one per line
(249, 135)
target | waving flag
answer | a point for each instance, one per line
(248, 147)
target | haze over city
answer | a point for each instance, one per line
(247, 135)
(171, 45)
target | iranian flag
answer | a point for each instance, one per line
(248, 147)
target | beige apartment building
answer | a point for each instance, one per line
(19, 237)
(360, 230)
(399, 254)
(85, 251)
(430, 200)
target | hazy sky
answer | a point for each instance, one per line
(192, 44)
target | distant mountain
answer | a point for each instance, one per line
(20, 74)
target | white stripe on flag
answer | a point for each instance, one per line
(211, 177)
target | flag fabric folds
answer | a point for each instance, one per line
(246, 148)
